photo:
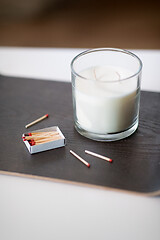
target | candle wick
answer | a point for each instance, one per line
(94, 72)
(119, 77)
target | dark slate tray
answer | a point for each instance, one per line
(136, 159)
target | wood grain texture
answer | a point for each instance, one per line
(136, 159)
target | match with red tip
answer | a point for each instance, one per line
(79, 158)
(37, 120)
(99, 156)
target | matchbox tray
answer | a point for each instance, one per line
(45, 146)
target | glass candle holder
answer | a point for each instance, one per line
(106, 93)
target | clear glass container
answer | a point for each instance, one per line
(106, 93)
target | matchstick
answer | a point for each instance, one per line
(40, 136)
(43, 139)
(40, 133)
(99, 156)
(36, 121)
(47, 139)
(37, 142)
(81, 159)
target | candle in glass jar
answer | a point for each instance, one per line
(106, 99)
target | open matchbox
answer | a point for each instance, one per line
(48, 145)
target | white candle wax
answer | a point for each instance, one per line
(105, 103)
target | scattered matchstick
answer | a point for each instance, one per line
(81, 159)
(99, 156)
(36, 121)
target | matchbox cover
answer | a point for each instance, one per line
(55, 139)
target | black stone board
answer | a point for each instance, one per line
(136, 159)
